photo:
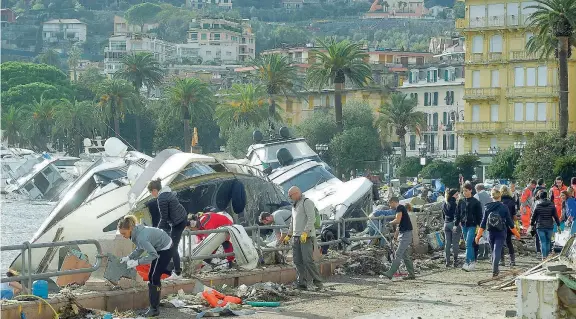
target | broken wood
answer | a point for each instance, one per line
(504, 274)
(531, 271)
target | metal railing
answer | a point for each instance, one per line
(255, 234)
(26, 248)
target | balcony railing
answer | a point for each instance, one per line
(532, 91)
(481, 93)
(479, 127)
(493, 22)
(495, 56)
(476, 58)
(522, 56)
(536, 126)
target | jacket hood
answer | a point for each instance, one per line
(493, 205)
(544, 202)
(165, 189)
(137, 229)
(451, 200)
(507, 197)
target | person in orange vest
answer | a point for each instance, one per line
(526, 201)
(555, 198)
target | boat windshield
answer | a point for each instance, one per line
(267, 154)
(308, 179)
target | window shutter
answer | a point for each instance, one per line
(428, 76)
(410, 78)
(435, 76)
(445, 75)
(435, 98)
(426, 99)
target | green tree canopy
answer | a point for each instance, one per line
(467, 164)
(565, 167)
(75, 121)
(410, 167)
(317, 129)
(26, 94)
(142, 13)
(446, 171)
(19, 73)
(354, 148)
(503, 164)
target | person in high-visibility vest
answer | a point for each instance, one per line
(555, 198)
(526, 201)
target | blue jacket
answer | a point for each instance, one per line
(502, 211)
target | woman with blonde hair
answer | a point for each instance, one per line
(508, 200)
(496, 220)
(156, 244)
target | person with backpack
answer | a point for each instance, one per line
(543, 219)
(508, 200)
(496, 221)
(302, 230)
(451, 216)
(404, 233)
(470, 218)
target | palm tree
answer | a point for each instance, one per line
(336, 62)
(190, 97)
(556, 24)
(278, 75)
(38, 121)
(141, 69)
(116, 99)
(74, 120)
(50, 57)
(74, 55)
(400, 112)
(12, 120)
(245, 104)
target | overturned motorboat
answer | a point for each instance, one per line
(107, 192)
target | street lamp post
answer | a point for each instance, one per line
(519, 146)
(422, 147)
(321, 149)
(493, 150)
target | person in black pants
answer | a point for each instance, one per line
(173, 220)
(510, 203)
(156, 243)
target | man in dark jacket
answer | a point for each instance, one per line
(543, 218)
(451, 216)
(173, 219)
(471, 217)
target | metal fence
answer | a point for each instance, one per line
(26, 271)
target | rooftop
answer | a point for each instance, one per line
(64, 21)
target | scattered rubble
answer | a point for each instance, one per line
(265, 291)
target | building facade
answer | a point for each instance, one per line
(510, 95)
(199, 4)
(439, 91)
(57, 30)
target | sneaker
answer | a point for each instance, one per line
(409, 277)
(466, 267)
(472, 266)
(174, 276)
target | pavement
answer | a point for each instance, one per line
(443, 293)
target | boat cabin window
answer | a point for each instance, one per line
(308, 179)
(65, 162)
(268, 153)
(94, 150)
(193, 170)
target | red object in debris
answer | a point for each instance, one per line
(213, 300)
(232, 299)
(143, 272)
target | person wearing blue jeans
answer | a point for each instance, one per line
(544, 218)
(496, 220)
(470, 211)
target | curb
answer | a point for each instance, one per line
(137, 298)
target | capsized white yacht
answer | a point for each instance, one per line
(117, 185)
(37, 178)
(12, 158)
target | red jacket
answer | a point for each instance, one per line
(212, 221)
(556, 199)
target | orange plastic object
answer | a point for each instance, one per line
(218, 294)
(213, 300)
(232, 299)
(143, 272)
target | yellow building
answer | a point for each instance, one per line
(301, 106)
(510, 95)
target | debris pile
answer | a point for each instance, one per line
(265, 291)
(72, 309)
(369, 261)
(429, 224)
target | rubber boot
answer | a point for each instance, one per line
(390, 273)
(410, 268)
(154, 297)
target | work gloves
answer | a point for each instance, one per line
(131, 263)
(286, 240)
(124, 259)
(303, 237)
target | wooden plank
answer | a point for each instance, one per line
(502, 275)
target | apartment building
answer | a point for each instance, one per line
(57, 30)
(222, 40)
(199, 4)
(439, 91)
(510, 95)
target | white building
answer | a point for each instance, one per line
(439, 90)
(199, 4)
(64, 29)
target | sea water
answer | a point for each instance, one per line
(19, 220)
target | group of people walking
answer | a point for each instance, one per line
(488, 219)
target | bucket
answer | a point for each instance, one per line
(143, 272)
(6, 293)
(40, 289)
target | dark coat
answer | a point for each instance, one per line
(450, 211)
(171, 211)
(544, 215)
(511, 204)
(470, 211)
(502, 210)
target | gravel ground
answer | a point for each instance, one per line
(444, 293)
